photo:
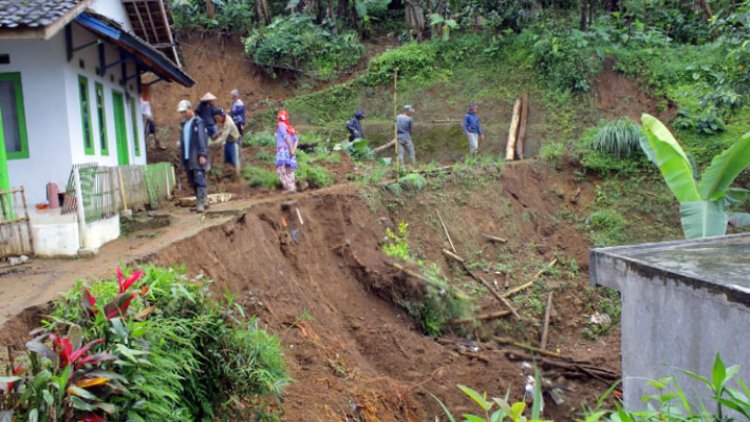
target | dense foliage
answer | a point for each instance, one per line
(153, 346)
(296, 43)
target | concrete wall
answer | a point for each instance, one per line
(669, 325)
(114, 10)
(100, 232)
(53, 118)
(55, 235)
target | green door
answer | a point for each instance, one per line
(4, 178)
(118, 105)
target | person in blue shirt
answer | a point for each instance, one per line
(354, 126)
(194, 151)
(238, 112)
(472, 128)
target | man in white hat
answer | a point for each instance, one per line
(238, 111)
(194, 152)
(206, 110)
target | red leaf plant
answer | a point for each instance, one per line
(119, 306)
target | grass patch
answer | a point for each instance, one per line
(258, 177)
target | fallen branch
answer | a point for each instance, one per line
(530, 348)
(494, 238)
(576, 367)
(525, 286)
(482, 281)
(473, 355)
(445, 229)
(545, 329)
(408, 272)
(384, 146)
(482, 317)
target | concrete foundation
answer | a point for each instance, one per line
(682, 303)
(58, 235)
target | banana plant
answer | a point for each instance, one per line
(703, 204)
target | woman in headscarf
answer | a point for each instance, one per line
(286, 152)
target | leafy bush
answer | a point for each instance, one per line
(295, 42)
(512, 412)
(359, 150)
(563, 60)
(552, 152)
(154, 346)
(261, 139)
(621, 138)
(316, 176)
(670, 403)
(413, 182)
(235, 16)
(259, 177)
(410, 60)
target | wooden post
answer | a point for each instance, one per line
(520, 142)
(121, 181)
(80, 211)
(513, 132)
(445, 229)
(28, 220)
(545, 329)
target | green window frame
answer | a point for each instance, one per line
(15, 79)
(101, 115)
(85, 102)
(134, 124)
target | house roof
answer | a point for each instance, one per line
(144, 53)
(151, 21)
(37, 18)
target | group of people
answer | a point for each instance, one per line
(207, 127)
(404, 125)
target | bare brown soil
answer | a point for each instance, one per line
(355, 354)
(619, 96)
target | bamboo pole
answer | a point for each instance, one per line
(513, 132)
(28, 220)
(545, 329)
(525, 286)
(522, 128)
(445, 229)
(530, 348)
(395, 128)
(496, 239)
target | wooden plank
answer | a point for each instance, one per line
(545, 329)
(520, 142)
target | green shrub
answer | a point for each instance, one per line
(413, 182)
(265, 157)
(235, 16)
(261, 139)
(316, 176)
(607, 227)
(552, 152)
(413, 59)
(295, 42)
(621, 138)
(153, 346)
(563, 60)
(259, 177)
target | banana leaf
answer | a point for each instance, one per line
(724, 168)
(739, 219)
(671, 159)
(703, 219)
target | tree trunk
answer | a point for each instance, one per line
(703, 5)
(415, 19)
(510, 148)
(591, 12)
(261, 9)
(584, 3)
(522, 128)
(210, 8)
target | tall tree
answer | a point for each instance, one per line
(584, 4)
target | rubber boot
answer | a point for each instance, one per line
(201, 200)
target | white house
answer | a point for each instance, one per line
(70, 76)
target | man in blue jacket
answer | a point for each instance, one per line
(472, 128)
(238, 112)
(194, 152)
(354, 126)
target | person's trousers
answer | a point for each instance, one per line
(232, 155)
(286, 177)
(408, 146)
(473, 142)
(197, 181)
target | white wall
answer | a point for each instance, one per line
(114, 10)
(52, 108)
(110, 82)
(47, 115)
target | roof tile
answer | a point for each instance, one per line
(33, 13)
